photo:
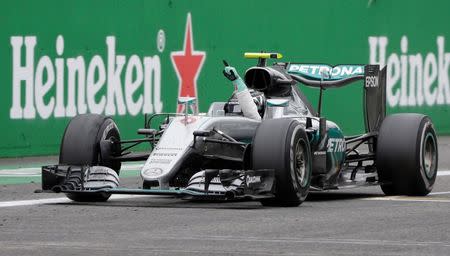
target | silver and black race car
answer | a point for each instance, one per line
(224, 155)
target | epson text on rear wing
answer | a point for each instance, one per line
(326, 76)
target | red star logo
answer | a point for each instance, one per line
(187, 64)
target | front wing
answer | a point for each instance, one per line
(256, 185)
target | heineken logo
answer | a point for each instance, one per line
(69, 85)
(413, 78)
(58, 85)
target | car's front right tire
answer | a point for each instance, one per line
(282, 145)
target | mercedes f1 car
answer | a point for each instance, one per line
(277, 160)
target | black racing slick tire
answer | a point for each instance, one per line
(407, 155)
(282, 145)
(80, 145)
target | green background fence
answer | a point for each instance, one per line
(57, 58)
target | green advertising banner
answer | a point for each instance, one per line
(126, 58)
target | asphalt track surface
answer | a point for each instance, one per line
(348, 222)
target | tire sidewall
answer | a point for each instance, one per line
(298, 135)
(400, 155)
(108, 131)
(426, 182)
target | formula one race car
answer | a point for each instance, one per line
(277, 160)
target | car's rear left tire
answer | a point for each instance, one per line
(80, 145)
(282, 145)
(407, 155)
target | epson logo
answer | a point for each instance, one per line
(371, 81)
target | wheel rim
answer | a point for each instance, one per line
(300, 164)
(429, 156)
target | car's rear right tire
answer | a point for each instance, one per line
(407, 155)
(282, 145)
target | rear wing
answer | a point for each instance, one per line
(326, 76)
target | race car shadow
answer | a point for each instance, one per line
(332, 196)
(168, 202)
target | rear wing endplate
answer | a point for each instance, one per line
(374, 97)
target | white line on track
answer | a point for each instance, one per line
(15, 172)
(440, 193)
(408, 199)
(58, 200)
(443, 173)
(34, 202)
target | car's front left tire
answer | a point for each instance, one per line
(80, 146)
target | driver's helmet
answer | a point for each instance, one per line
(260, 101)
